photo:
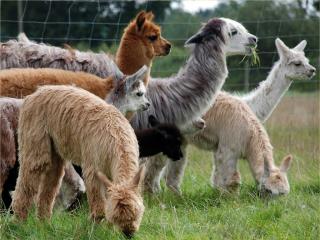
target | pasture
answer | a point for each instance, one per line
(203, 213)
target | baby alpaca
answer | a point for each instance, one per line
(234, 131)
(67, 123)
(161, 138)
(127, 93)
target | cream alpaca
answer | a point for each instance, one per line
(127, 93)
(293, 65)
(234, 132)
(67, 123)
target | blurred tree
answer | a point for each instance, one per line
(92, 21)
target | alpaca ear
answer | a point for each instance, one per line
(149, 16)
(138, 179)
(195, 39)
(153, 121)
(301, 46)
(138, 76)
(104, 180)
(140, 19)
(286, 163)
(282, 49)
(117, 75)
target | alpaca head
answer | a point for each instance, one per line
(149, 35)
(128, 94)
(230, 35)
(296, 65)
(124, 206)
(170, 136)
(193, 127)
(275, 181)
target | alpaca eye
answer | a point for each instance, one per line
(297, 64)
(139, 94)
(153, 38)
(233, 32)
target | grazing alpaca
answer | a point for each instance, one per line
(234, 132)
(66, 123)
(127, 93)
(140, 43)
(293, 65)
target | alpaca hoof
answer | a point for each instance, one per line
(176, 190)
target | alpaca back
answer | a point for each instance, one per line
(232, 124)
(82, 127)
(22, 82)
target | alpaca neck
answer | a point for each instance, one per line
(187, 96)
(125, 169)
(266, 97)
(132, 55)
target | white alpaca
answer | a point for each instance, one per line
(291, 66)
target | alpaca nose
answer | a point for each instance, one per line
(312, 71)
(253, 40)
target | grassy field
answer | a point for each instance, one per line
(202, 213)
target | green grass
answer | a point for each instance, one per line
(203, 213)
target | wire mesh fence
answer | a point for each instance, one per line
(98, 25)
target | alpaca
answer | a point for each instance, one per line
(233, 132)
(160, 138)
(27, 54)
(293, 65)
(185, 97)
(67, 123)
(127, 93)
(140, 43)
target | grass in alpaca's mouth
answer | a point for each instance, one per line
(255, 60)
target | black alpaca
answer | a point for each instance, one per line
(160, 138)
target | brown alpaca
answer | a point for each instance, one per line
(140, 43)
(125, 92)
(67, 123)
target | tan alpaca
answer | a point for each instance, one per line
(67, 123)
(125, 92)
(236, 132)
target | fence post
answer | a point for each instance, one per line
(246, 76)
(20, 23)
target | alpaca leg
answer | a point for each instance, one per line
(154, 167)
(26, 189)
(95, 194)
(225, 176)
(175, 171)
(33, 163)
(49, 187)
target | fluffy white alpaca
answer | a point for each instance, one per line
(293, 65)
